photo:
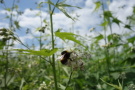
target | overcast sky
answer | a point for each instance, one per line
(87, 19)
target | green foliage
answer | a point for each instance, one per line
(61, 6)
(8, 9)
(106, 67)
(98, 38)
(117, 21)
(131, 40)
(41, 29)
(128, 27)
(68, 36)
(132, 17)
(107, 14)
(45, 52)
(17, 24)
(98, 5)
(2, 44)
(115, 86)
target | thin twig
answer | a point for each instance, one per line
(55, 6)
(69, 79)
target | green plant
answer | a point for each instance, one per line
(108, 57)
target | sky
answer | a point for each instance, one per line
(86, 18)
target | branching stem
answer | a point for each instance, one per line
(53, 56)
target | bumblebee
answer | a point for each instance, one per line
(72, 60)
(65, 57)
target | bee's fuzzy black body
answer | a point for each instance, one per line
(66, 57)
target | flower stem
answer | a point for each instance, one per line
(53, 56)
(69, 79)
(106, 49)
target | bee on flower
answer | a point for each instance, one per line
(71, 59)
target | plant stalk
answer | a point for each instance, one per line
(69, 80)
(6, 65)
(106, 49)
(53, 56)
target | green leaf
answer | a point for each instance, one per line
(120, 86)
(51, 52)
(107, 14)
(16, 6)
(41, 29)
(38, 14)
(115, 86)
(2, 44)
(66, 71)
(132, 66)
(62, 4)
(130, 60)
(44, 21)
(117, 21)
(44, 52)
(134, 9)
(132, 39)
(98, 4)
(62, 87)
(128, 27)
(8, 9)
(40, 3)
(99, 37)
(64, 11)
(10, 79)
(49, 2)
(1, 56)
(105, 23)
(22, 82)
(17, 24)
(109, 37)
(68, 36)
(115, 75)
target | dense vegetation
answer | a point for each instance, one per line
(107, 67)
